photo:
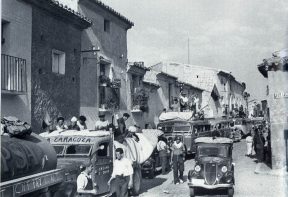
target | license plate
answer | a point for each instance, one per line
(198, 181)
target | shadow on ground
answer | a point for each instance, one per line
(156, 182)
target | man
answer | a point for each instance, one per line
(122, 174)
(82, 123)
(121, 132)
(162, 147)
(178, 158)
(74, 125)
(84, 183)
(60, 126)
(183, 101)
(101, 124)
(175, 105)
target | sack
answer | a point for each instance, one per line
(16, 127)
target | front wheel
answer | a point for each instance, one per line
(192, 192)
(137, 181)
(230, 192)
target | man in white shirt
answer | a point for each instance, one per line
(122, 174)
(163, 148)
(83, 179)
(101, 124)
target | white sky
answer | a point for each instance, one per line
(235, 35)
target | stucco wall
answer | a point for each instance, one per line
(278, 117)
(113, 47)
(18, 44)
(54, 94)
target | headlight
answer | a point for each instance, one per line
(224, 169)
(197, 168)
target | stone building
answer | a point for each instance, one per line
(275, 70)
(103, 74)
(221, 94)
(16, 25)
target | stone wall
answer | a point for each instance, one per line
(54, 94)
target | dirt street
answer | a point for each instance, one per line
(248, 184)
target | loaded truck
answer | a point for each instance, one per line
(76, 148)
(28, 167)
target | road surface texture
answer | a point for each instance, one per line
(248, 184)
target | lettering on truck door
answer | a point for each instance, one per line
(102, 167)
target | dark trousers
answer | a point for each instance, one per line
(121, 186)
(164, 164)
(178, 167)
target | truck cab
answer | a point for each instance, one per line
(75, 148)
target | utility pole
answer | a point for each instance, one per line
(188, 52)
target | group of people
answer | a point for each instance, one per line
(259, 144)
(184, 103)
(172, 151)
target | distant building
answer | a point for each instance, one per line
(222, 94)
(275, 70)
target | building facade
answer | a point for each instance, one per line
(16, 42)
(103, 73)
(221, 94)
(55, 61)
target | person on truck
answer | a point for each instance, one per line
(82, 123)
(84, 182)
(122, 174)
(121, 132)
(60, 126)
(73, 125)
(101, 124)
(177, 160)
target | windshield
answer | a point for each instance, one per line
(59, 149)
(213, 151)
(182, 128)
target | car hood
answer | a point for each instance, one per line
(219, 160)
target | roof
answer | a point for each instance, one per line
(152, 84)
(84, 133)
(151, 77)
(62, 10)
(167, 75)
(113, 12)
(138, 65)
(210, 140)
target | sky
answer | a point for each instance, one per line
(233, 35)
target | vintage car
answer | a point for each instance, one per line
(213, 165)
(243, 125)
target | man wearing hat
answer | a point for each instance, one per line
(74, 125)
(183, 101)
(178, 158)
(84, 181)
(101, 124)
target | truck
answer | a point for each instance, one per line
(76, 148)
(28, 167)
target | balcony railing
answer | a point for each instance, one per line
(13, 74)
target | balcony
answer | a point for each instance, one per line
(13, 75)
(140, 101)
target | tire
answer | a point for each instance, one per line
(230, 192)
(192, 192)
(137, 181)
(151, 174)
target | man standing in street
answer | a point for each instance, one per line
(122, 174)
(163, 148)
(84, 183)
(178, 158)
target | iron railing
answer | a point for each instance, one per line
(13, 74)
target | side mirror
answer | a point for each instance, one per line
(101, 147)
(233, 164)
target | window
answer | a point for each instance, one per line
(78, 150)
(59, 149)
(106, 25)
(4, 26)
(58, 62)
